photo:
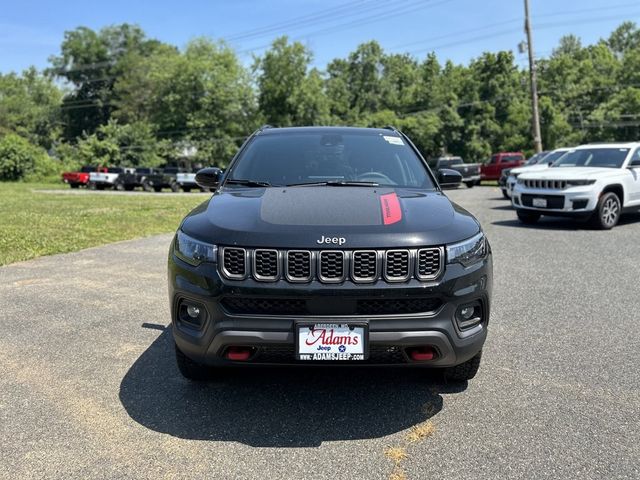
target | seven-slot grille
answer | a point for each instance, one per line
(234, 263)
(298, 265)
(365, 266)
(332, 266)
(547, 184)
(266, 264)
(429, 260)
(396, 265)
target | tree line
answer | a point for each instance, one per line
(117, 97)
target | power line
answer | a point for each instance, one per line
(403, 10)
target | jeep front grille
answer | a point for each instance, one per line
(266, 264)
(546, 184)
(298, 265)
(428, 262)
(364, 267)
(397, 266)
(332, 266)
(234, 263)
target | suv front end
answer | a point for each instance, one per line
(402, 273)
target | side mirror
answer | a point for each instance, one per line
(447, 177)
(209, 177)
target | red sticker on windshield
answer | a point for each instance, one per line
(391, 212)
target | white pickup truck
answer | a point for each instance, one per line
(102, 180)
(597, 182)
(187, 181)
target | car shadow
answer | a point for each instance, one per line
(569, 224)
(503, 207)
(279, 406)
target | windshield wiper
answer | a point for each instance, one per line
(335, 183)
(248, 183)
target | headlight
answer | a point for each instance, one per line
(579, 183)
(193, 251)
(469, 251)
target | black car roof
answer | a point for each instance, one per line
(327, 130)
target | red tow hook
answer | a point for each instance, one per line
(238, 354)
(421, 354)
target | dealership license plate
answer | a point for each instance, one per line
(540, 202)
(331, 341)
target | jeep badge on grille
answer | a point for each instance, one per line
(332, 240)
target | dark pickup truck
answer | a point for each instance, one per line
(130, 180)
(165, 178)
(470, 171)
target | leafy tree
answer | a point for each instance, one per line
(290, 93)
(29, 106)
(19, 158)
(92, 62)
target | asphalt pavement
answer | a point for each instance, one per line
(89, 387)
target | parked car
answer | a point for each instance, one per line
(81, 178)
(509, 175)
(108, 179)
(329, 245)
(498, 162)
(165, 178)
(596, 182)
(470, 171)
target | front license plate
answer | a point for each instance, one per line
(331, 341)
(540, 202)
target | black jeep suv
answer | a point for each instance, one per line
(326, 245)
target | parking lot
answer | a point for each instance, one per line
(89, 386)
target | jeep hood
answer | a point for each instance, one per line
(529, 169)
(571, 173)
(297, 217)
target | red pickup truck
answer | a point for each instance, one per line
(500, 161)
(76, 179)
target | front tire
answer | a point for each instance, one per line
(465, 371)
(190, 369)
(74, 185)
(504, 193)
(157, 189)
(607, 211)
(469, 184)
(528, 218)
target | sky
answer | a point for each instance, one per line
(32, 30)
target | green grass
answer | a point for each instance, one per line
(33, 224)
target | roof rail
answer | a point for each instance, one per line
(391, 127)
(265, 126)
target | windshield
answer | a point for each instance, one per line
(537, 158)
(594, 157)
(553, 156)
(330, 156)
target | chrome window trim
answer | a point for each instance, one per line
(266, 278)
(440, 266)
(344, 267)
(311, 267)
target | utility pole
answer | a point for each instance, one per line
(537, 137)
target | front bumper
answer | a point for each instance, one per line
(272, 337)
(573, 201)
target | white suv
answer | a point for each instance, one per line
(591, 181)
